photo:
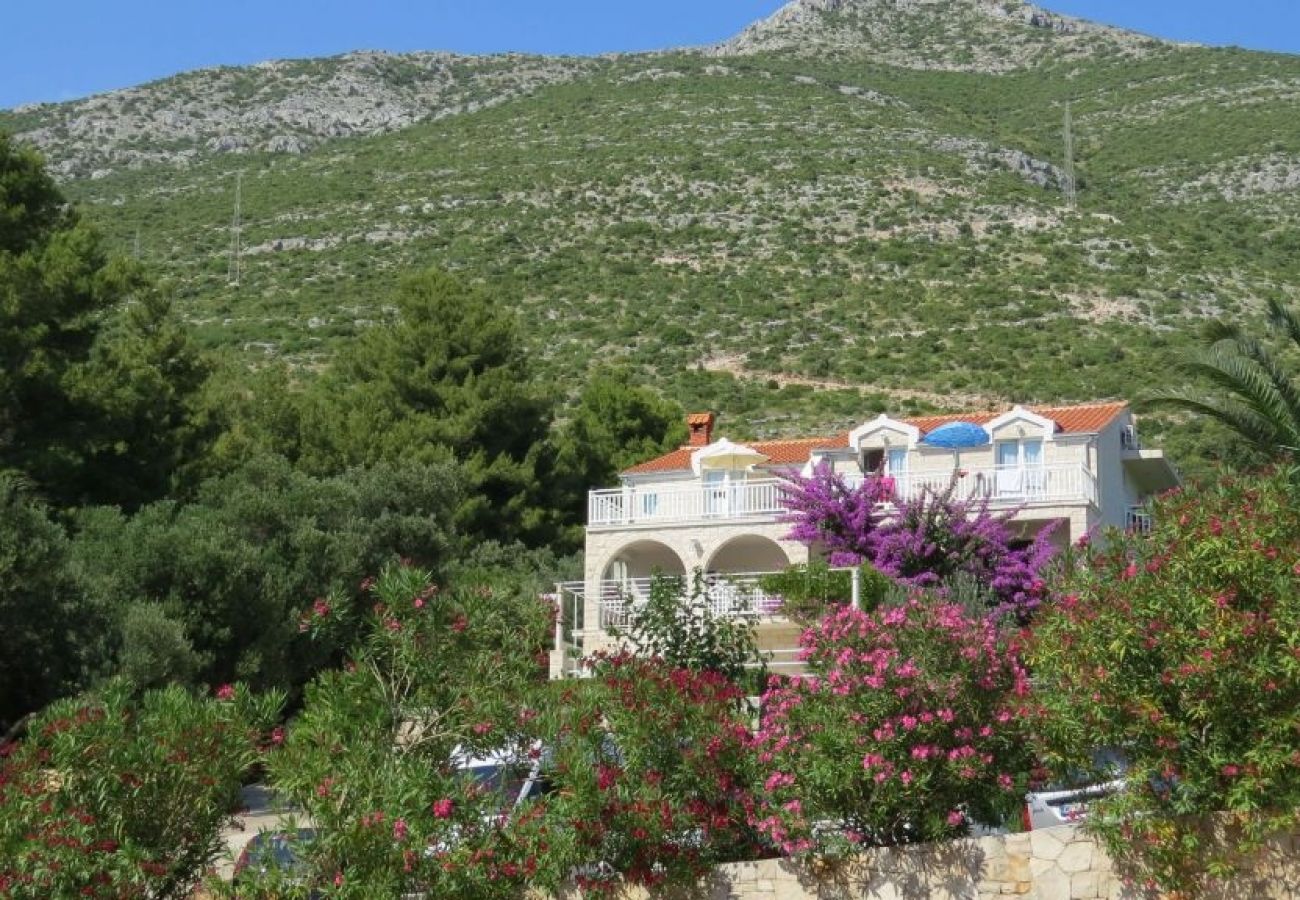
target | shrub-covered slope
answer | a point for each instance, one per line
(792, 236)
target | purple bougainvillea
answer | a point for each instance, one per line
(923, 541)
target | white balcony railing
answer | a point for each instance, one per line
(1007, 485)
(1138, 519)
(694, 502)
(725, 596)
(685, 503)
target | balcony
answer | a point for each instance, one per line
(730, 596)
(694, 502)
(1008, 486)
(725, 597)
(1138, 519)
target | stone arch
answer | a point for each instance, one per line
(748, 553)
(642, 559)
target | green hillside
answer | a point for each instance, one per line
(794, 238)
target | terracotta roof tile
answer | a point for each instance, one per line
(1070, 419)
(699, 418)
(1084, 419)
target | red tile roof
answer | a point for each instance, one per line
(1085, 419)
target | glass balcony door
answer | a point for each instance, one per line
(717, 492)
(1020, 470)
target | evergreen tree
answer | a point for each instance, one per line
(47, 637)
(615, 424)
(448, 381)
(88, 413)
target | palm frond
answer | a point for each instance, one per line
(1241, 420)
(1217, 330)
(1251, 387)
(1284, 319)
(1282, 381)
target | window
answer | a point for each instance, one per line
(649, 505)
(896, 465)
(1020, 467)
(892, 462)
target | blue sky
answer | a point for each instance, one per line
(60, 49)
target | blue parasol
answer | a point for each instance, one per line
(957, 436)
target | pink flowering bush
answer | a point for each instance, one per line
(930, 540)
(376, 758)
(652, 770)
(908, 730)
(1180, 648)
(113, 796)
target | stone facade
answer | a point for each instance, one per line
(1051, 864)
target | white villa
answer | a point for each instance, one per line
(715, 506)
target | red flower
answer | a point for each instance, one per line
(226, 692)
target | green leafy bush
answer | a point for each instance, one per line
(439, 675)
(110, 796)
(1179, 649)
(50, 641)
(682, 628)
(238, 564)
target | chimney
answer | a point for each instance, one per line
(700, 426)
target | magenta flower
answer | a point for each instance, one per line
(922, 542)
(442, 808)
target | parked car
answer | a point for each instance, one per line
(276, 850)
(1066, 802)
(514, 778)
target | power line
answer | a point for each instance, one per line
(1070, 186)
(236, 229)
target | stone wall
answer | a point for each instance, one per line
(1052, 864)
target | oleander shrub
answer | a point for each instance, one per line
(113, 795)
(907, 730)
(1180, 649)
(652, 771)
(441, 675)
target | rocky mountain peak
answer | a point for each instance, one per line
(960, 35)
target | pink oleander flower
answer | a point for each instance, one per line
(399, 829)
(226, 692)
(442, 808)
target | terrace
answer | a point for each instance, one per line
(701, 502)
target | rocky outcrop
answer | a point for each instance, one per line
(278, 107)
(959, 35)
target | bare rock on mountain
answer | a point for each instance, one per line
(283, 106)
(955, 35)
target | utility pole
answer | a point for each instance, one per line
(236, 226)
(1070, 186)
